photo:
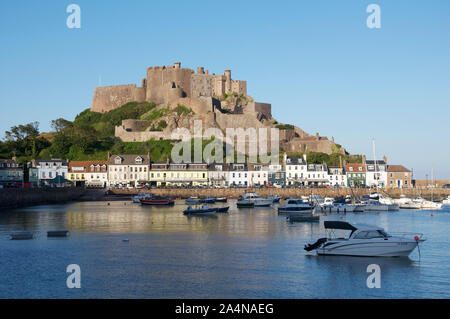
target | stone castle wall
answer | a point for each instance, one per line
(108, 98)
(138, 136)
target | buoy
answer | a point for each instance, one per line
(432, 214)
(416, 238)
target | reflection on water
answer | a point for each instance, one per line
(246, 253)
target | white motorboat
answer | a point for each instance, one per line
(375, 206)
(137, 199)
(274, 198)
(392, 205)
(295, 206)
(426, 204)
(446, 201)
(252, 198)
(364, 240)
(327, 201)
(411, 205)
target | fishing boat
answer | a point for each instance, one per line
(364, 240)
(274, 198)
(222, 209)
(254, 198)
(294, 205)
(137, 199)
(204, 210)
(157, 201)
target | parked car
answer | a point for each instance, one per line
(446, 186)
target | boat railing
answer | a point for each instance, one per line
(406, 234)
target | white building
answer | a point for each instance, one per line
(376, 175)
(218, 175)
(239, 174)
(50, 169)
(88, 173)
(296, 170)
(128, 170)
(317, 175)
(337, 177)
(258, 174)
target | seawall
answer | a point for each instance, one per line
(286, 192)
(22, 197)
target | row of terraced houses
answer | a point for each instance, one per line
(138, 170)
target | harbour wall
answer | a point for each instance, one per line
(22, 197)
(437, 194)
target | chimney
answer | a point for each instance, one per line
(364, 159)
(385, 159)
(304, 157)
(284, 158)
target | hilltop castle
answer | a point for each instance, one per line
(217, 100)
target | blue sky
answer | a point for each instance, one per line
(315, 61)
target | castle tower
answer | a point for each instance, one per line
(227, 75)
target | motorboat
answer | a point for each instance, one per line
(192, 201)
(222, 209)
(375, 206)
(208, 200)
(411, 205)
(364, 240)
(392, 205)
(157, 201)
(204, 210)
(295, 218)
(295, 206)
(221, 199)
(254, 198)
(21, 235)
(274, 198)
(137, 199)
(426, 204)
(327, 201)
(446, 201)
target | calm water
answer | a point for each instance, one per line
(247, 253)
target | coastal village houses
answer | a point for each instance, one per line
(257, 175)
(172, 174)
(238, 174)
(11, 173)
(128, 170)
(337, 177)
(276, 175)
(376, 173)
(218, 175)
(356, 174)
(88, 173)
(317, 175)
(296, 170)
(399, 176)
(51, 172)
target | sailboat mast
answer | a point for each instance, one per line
(375, 162)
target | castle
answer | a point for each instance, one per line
(217, 100)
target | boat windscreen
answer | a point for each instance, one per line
(338, 225)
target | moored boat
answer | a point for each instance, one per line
(248, 199)
(157, 201)
(137, 199)
(204, 210)
(274, 198)
(426, 204)
(222, 209)
(221, 199)
(21, 235)
(446, 201)
(192, 201)
(365, 240)
(294, 205)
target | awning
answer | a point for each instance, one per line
(59, 180)
(338, 225)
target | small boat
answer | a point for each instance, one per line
(294, 205)
(193, 201)
(375, 206)
(157, 201)
(364, 240)
(138, 197)
(221, 199)
(58, 233)
(339, 208)
(222, 209)
(204, 210)
(21, 235)
(303, 218)
(257, 200)
(426, 204)
(274, 198)
(446, 201)
(241, 203)
(208, 200)
(411, 205)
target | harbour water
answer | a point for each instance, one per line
(247, 253)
